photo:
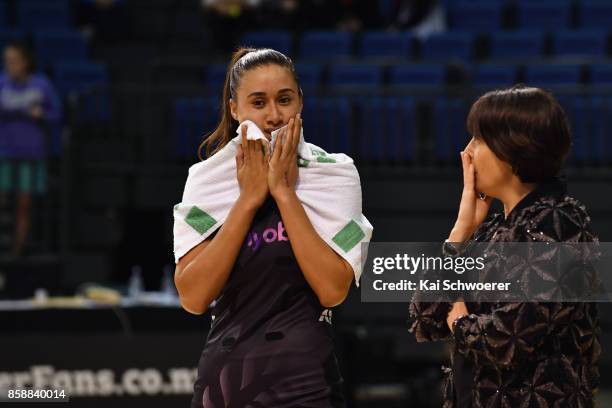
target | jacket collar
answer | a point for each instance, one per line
(555, 187)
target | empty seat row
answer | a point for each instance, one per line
(590, 122)
(37, 14)
(313, 75)
(487, 15)
(531, 44)
(89, 81)
(330, 125)
(460, 44)
(331, 44)
(398, 129)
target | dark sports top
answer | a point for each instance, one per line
(270, 339)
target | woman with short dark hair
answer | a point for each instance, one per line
(526, 354)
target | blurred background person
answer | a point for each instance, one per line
(28, 103)
(356, 15)
(227, 20)
(104, 20)
(422, 17)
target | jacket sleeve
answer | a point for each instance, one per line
(428, 321)
(427, 318)
(511, 332)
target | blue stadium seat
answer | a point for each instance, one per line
(215, 74)
(489, 75)
(385, 44)
(606, 124)
(309, 75)
(575, 111)
(597, 119)
(452, 44)
(595, 14)
(79, 75)
(418, 75)
(589, 121)
(327, 123)
(350, 74)
(546, 75)
(599, 144)
(9, 35)
(386, 9)
(450, 133)
(476, 15)
(278, 40)
(516, 44)
(194, 118)
(387, 129)
(585, 43)
(37, 14)
(59, 45)
(545, 14)
(215, 78)
(91, 81)
(601, 74)
(325, 44)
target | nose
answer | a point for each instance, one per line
(275, 116)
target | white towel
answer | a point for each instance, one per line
(328, 187)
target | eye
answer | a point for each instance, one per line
(258, 103)
(285, 100)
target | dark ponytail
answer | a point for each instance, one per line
(243, 59)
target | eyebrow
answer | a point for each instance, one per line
(284, 90)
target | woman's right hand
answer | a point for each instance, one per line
(252, 170)
(472, 210)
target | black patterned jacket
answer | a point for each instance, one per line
(522, 354)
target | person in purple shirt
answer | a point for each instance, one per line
(28, 104)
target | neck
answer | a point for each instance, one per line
(515, 194)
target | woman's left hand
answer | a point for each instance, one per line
(282, 169)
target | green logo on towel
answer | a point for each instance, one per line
(349, 236)
(316, 152)
(199, 220)
(302, 162)
(321, 156)
(321, 159)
